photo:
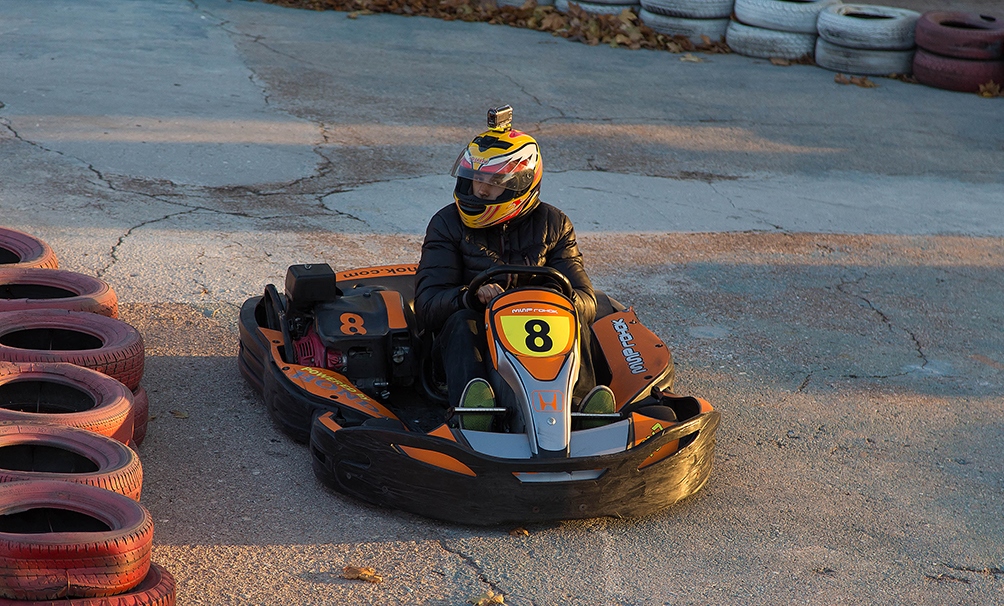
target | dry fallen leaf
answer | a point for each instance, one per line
(519, 532)
(179, 414)
(841, 79)
(863, 82)
(488, 598)
(990, 89)
(780, 61)
(691, 58)
(363, 573)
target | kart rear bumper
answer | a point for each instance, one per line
(373, 464)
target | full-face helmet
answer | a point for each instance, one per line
(508, 161)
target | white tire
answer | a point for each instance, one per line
(867, 26)
(768, 43)
(693, 29)
(692, 9)
(783, 15)
(519, 3)
(862, 61)
(594, 8)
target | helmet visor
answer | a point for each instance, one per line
(510, 171)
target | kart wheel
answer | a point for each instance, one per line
(140, 414)
(107, 345)
(42, 451)
(36, 288)
(61, 539)
(66, 394)
(18, 249)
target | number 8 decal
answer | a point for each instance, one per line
(352, 324)
(537, 339)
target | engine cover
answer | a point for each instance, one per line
(373, 328)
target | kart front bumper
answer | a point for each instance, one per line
(379, 465)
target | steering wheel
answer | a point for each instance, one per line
(549, 273)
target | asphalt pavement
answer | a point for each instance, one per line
(825, 261)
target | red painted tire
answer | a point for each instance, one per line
(107, 345)
(964, 75)
(35, 288)
(157, 589)
(140, 414)
(43, 451)
(61, 539)
(18, 249)
(961, 35)
(66, 394)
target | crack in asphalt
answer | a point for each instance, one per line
(748, 213)
(471, 563)
(890, 325)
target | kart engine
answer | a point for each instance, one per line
(366, 334)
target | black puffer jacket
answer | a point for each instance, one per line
(453, 254)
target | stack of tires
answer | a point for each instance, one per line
(693, 19)
(866, 39)
(959, 51)
(599, 7)
(71, 413)
(775, 29)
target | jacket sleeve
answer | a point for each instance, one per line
(439, 280)
(565, 257)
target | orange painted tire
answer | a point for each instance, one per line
(18, 249)
(43, 451)
(66, 394)
(157, 589)
(107, 345)
(61, 539)
(35, 288)
(140, 414)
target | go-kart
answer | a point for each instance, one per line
(340, 363)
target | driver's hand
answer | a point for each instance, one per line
(488, 292)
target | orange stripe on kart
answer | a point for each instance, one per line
(325, 383)
(395, 309)
(437, 459)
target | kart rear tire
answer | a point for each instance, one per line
(140, 414)
(82, 541)
(42, 451)
(107, 345)
(18, 249)
(35, 288)
(66, 394)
